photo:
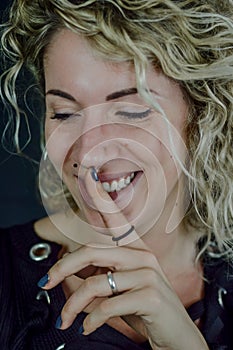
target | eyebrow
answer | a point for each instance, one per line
(113, 96)
(121, 93)
(61, 93)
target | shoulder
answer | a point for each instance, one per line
(218, 303)
(219, 271)
(9, 235)
(54, 229)
(20, 240)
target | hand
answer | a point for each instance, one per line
(146, 300)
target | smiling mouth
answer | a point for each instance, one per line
(117, 185)
(113, 184)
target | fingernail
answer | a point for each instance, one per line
(81, 330)
(43, 281)
(94, 174)
(58, 322)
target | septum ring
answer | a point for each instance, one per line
(112, 283)
(117, 239)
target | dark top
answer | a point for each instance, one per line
(27, 318)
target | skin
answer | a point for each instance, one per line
(154, 286)
(144, 145)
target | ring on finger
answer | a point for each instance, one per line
(112, 283)
(117, 239)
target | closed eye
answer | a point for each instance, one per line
(63, 116)
(128, 115)
(134, 115)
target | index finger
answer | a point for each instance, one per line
(121, 230)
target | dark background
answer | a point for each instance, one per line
(19, 196)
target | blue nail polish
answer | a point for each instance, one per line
(94, 174)
(58, 322)
(43, 281)
(81, 330)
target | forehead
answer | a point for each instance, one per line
(66, 40)
(70, 52)
(73, 66)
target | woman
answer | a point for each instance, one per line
(138, 128)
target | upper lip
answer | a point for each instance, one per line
(108, 177)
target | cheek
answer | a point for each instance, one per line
(153, 146)
(167, 155)
(57, 146)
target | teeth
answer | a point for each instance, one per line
(127, 180)
(106, 186)
(121, 183)
(114, 186)
(117, 185)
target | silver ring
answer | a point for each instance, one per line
(117, 239)
(112, 283)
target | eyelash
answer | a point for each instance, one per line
(135, 115)
(62, 116)
(129, 115)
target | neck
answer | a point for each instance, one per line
(177, 249)
(172, 241)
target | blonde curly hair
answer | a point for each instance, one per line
(191, 41)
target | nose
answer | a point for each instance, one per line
(96, 140)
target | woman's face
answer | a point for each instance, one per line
(96, 118)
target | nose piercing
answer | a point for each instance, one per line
(94, 174)
(93, 171)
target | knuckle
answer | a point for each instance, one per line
(58, 268)
(86, 250)
(69, 309)
(149, 259)
(105, 308)
(154, 298)
(89, 253)
(150, 276)
(90, 283)
(88, 322)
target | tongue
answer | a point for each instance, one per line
(113, 195)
